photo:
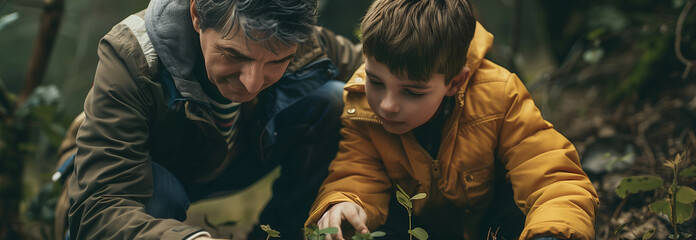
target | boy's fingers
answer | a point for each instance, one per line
(335, 221)
(354, 218)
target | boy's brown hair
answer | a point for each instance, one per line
(419, 38)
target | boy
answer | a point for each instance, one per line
(428, 113)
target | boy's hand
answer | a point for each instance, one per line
(352, 212)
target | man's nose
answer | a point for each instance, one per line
(252, 77)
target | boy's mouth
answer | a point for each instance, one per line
(389, 121)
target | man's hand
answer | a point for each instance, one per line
(352, 212)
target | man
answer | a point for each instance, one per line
(195, 99)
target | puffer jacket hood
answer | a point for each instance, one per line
(168, 24)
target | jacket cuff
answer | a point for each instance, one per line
(198, 234)
(558, 222)
(181, 232)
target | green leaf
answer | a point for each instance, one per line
(689, 172)
(661, 206)
(402, 190)
(635, 184)
(419, 233)
(378, 234)
(269, 231)
(419, 196)
(686, 195)
(330, 230)
(404, 200)
(683, 212)
(362, 236)
(648, 234)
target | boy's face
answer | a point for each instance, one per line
(401, 104)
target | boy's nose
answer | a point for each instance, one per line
(388, 105)
(252, 77)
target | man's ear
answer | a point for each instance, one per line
(194, 17)
(458, 81)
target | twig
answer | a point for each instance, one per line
(677, 40)
(50, 21)
(620, 207)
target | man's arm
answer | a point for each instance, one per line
(112, 178)
(544, 169)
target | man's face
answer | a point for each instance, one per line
(241, 68)
(401, 104)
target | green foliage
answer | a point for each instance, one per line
(678, 204)
(689, 172)
(648, 234)
(637, 184)
(406, 201)
(419, 233)
(683, 211)
(314, 233)
(369, 236)
(270, 231)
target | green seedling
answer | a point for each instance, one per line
(270, 232)
(369, 236)
(406, 201)
(314, 233)
(678, 203)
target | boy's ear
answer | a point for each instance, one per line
(194, 17)
(458, 81)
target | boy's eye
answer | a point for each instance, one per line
(373, 82)
(414, 94)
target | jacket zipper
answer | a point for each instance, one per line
(365, 119)
(435, 165)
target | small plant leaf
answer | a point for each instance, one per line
(686, 195)
(683, 212)
(689, 172)
(419, 233)
(269, 231)
(330, 230)
(648, 234)
(404, 200)
(419, 196)
(362, 236)
(401, 190)
(377, 234)
(661, 206)
(635, 184)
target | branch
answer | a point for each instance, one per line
(50, 21)
(677, 40)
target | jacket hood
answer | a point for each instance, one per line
(169, 27)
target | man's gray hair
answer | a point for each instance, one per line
(288, 21)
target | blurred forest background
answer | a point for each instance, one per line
(616, 77)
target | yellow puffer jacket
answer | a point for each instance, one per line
(494, 120)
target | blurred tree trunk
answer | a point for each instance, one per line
(13, 133)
